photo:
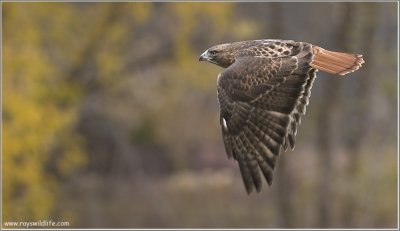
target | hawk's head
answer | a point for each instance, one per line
(222, 55)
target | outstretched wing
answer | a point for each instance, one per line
(261, 100)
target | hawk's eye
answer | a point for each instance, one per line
(213, 52)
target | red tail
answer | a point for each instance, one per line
(335, 62)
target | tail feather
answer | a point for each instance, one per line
(335, 62)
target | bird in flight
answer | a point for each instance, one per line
(262, 94)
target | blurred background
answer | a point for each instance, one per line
(110, 121)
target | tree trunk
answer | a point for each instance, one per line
(356, 135)
(326, 136)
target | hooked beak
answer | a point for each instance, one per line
(204, 56)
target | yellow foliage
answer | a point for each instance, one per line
(140, 11)
(37, 106)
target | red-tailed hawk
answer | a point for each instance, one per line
(261, 95)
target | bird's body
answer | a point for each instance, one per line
(262, 94)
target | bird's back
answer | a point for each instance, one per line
(324, 60)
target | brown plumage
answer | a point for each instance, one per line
(262, 94)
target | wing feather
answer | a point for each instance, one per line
(244, 167)
(251, 161)
(261, 101)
